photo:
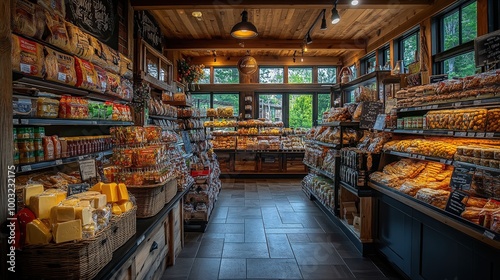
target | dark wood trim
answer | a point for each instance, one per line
(263, 44)
(269, 61)
(259, 88)
(463, 48)
(278, 4)
(482, 17)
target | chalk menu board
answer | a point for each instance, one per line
(77, 188)
(438, 78)
(487, 48)
(369, 114)
(148, 29)
(455, 203)
(461, 178)
(97, 17)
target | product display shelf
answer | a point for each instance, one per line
(421, 157)
(145, 230)
(64, 122)
(22, 168)
(447, 133)
(475, 166)
(179, 103)
(341, 124)
(163, 118)
(456, 222)
(330, 145)
(359, 192)
(473, 102)
(321, 171)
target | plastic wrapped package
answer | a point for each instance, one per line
(86, 75)
(60, 67)
(23, 18)
(112, 59)
(58, 35)
(79, 43)
(99, 56)
(27, 56)
(437, 198)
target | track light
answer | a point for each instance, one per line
(354, 2)
(244, 29)
(215, 56)
(335, 14)
(308, 39)
(323, 21)
(294, 53)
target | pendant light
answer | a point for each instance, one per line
(244, 29)
(323, 21)
(335, 14)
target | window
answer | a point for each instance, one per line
(385, 57)
(368, 64)
(271, 75)
(201, 101)
(323, 104)
(227, 99)
(206, 76)
(299, 75)
(271, 107)
(354, 71)
(327, 75)
(226, 75)
(454, 32)
(301, 110)
(408, 47)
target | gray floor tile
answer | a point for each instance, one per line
(279, 247)
(190, 249)
(316, 254)
(298, 237)
(294, 230)
(225, 228)
(233, 269)
(254, 230)
(181, 268)
(325, 272)
(273, 269)
(363, 267)
(205, 269)
(211, 248)
(245, 250)
(234, 237)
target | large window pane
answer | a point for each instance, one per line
(451, 34)
(206, 76)
(201, 101)
(387, 55)
(370, 64)
(460, 66)
(410, 46)
(327, 75)
(323, 104)
(469, 22)
(298, 75)
(226, 75)
(227, 100)
(271, 107)
(300, 114)
(268, 75)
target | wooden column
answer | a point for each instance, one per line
(6, 138)
(482, 17)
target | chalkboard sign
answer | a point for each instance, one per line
(77, 188)
(487, 48)
(462, 178)
(380, 122)
(97, 17)
(455, 203)
(369, 114)
(438, 78)
(148, 29)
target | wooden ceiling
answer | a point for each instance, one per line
(282, 27)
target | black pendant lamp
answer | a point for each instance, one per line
(244, 29)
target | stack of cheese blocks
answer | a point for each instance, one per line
(79, 216)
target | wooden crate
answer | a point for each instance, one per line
(151, 253)
(170, 190)
(176, 232)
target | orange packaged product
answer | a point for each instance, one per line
(57, 147)
(27, 56)
(86, 75)
(113, 85)
(60, 67)
(48, 148)
(102, 78)
(153, 133)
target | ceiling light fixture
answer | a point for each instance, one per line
(323, 20)
(304, 47)
(308, 39)
(354, 2)
(197, 15)
(335, 14)
(244, 29)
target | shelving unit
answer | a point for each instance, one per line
(24, 168)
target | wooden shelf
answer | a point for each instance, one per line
(447, 133)
(420, 157)
(23, 168)
(452, 105)
(62, 122)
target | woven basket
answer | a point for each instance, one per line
(122, 228)
(170, 190)
(149, 199)
(69, 260)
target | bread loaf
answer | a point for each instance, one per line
(23, 18)
(60, 67)
(27, 56)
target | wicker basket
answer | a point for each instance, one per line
(170, 190)
(69, 260)
(149, 199)
(122, 228)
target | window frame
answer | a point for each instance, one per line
(336, 68)
(211, 98)
(225, 67)
(439, 54)
(296, 67)
(364, 63)
(400, 43)
(272, 67)
(382, 55)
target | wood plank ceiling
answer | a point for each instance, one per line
(287, 23)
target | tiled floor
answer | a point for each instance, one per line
(268, 229)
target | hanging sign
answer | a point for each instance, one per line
(148, 29)
(487, 48)
(97, 17)
(247, 65)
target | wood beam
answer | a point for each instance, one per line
(256, 87)
(415, 20)
(264, 44)
(270, 61)
(275, 4)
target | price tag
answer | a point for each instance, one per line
(15, 121)
(25, 68)
(61, 76)
(471, 134)
(90, 80)
(77, 188)
(88, 169)
(103, 85)
(480, 134)
(450, 133)
(428, 107)
(414, 131)
(24, 121)
(461, 134)
(25, 168)
(418, 108)
(489, 234)
(81, 157)
(442, 161)
(421, 157)
(59, 162)
(94, 122)
(457, 104)
(477, 102)
(490, 134)
(404, 110)
(434, 106)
